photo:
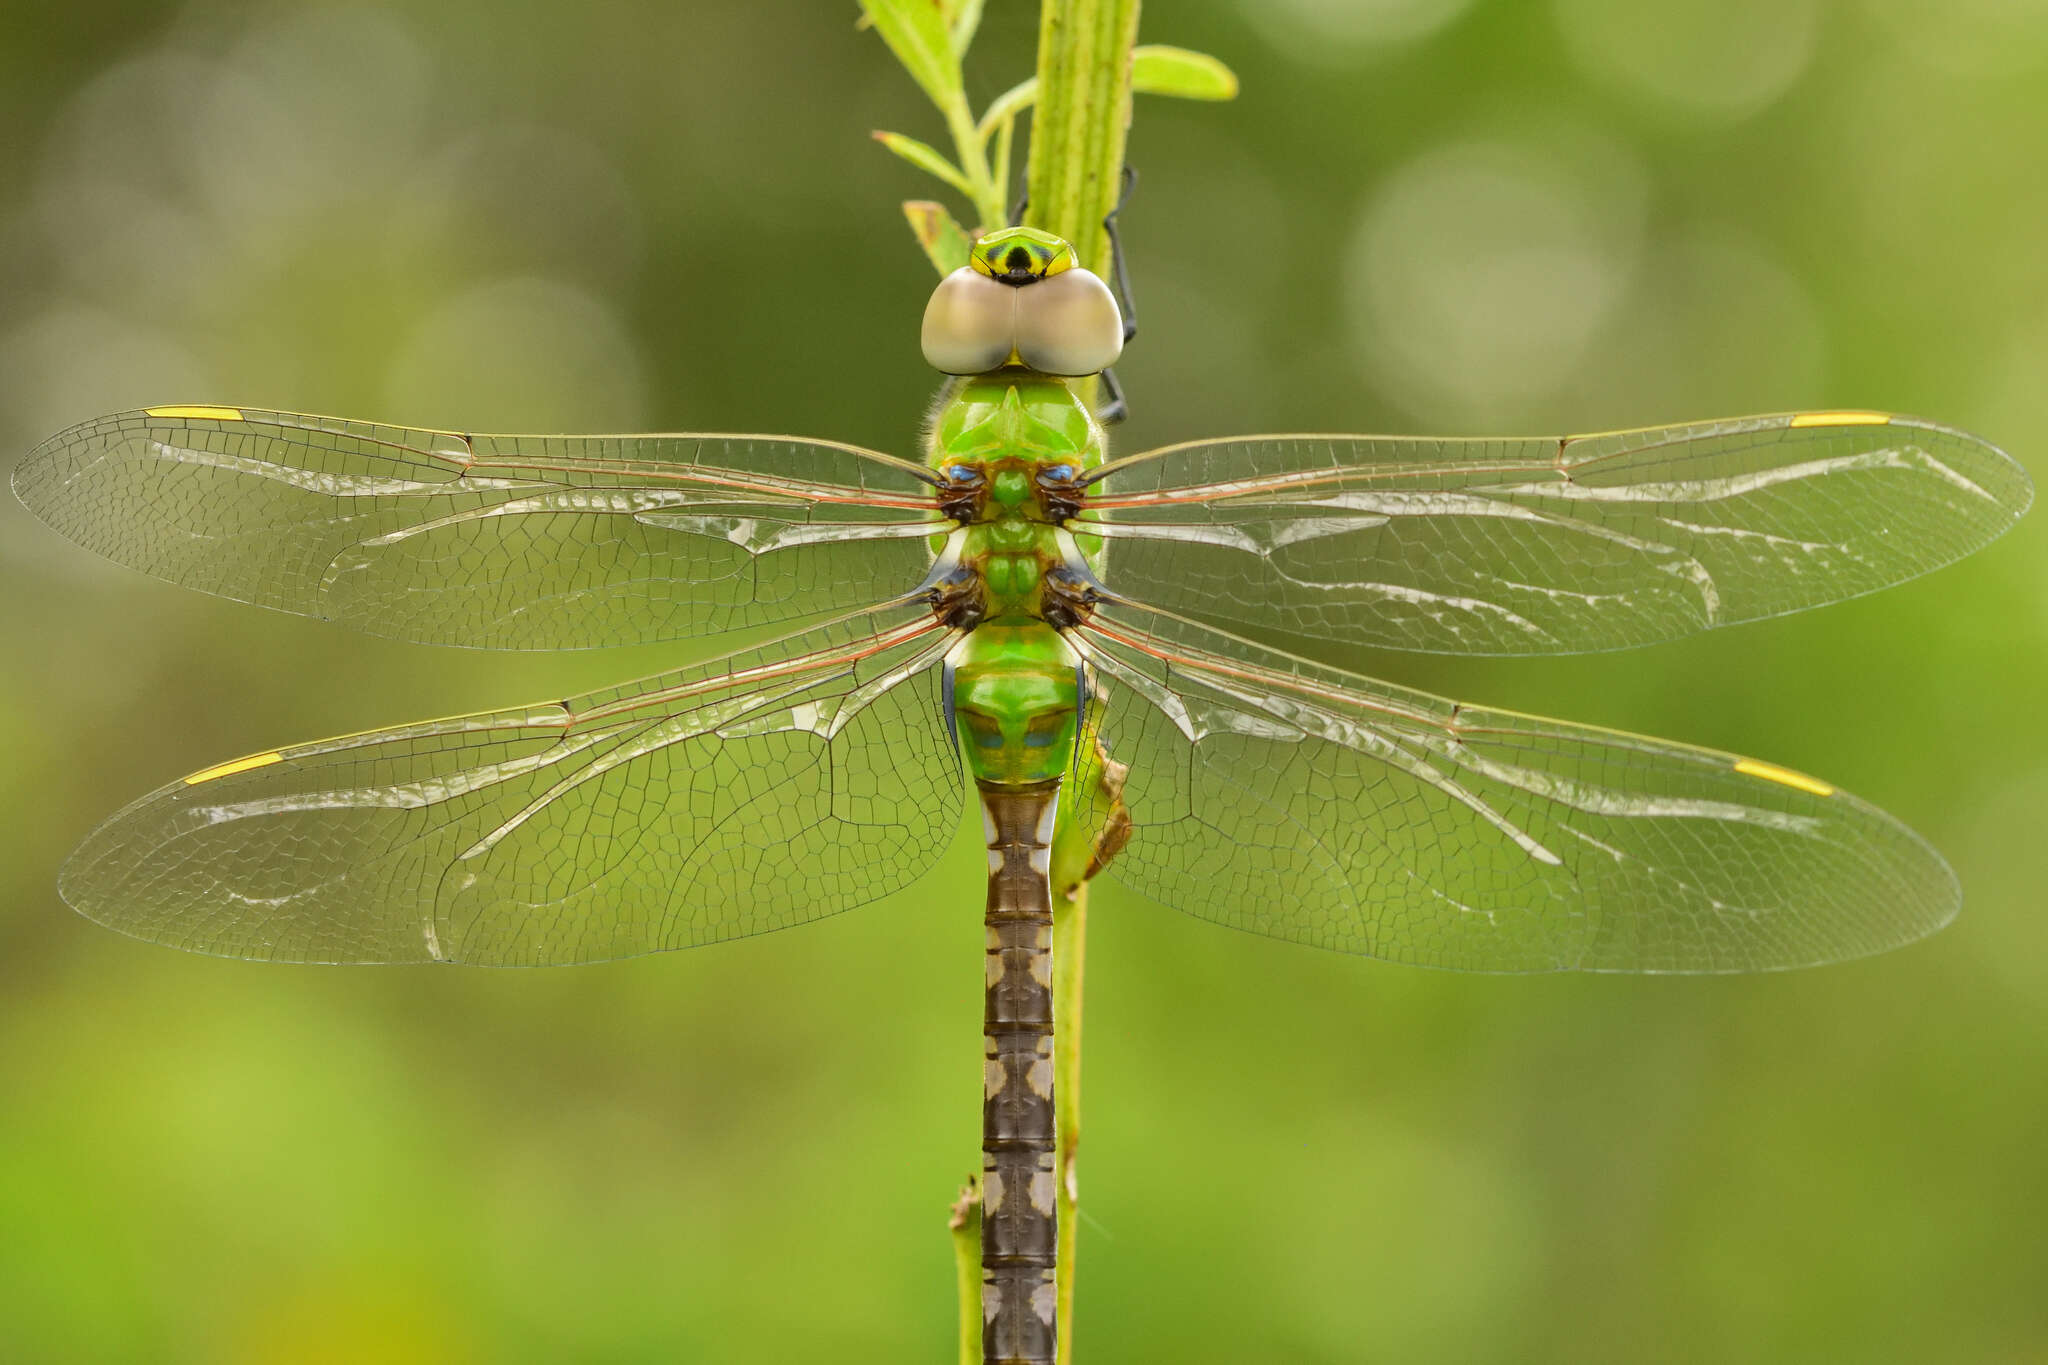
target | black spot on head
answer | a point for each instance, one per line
(1017, 264)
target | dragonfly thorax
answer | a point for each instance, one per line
(1013, 447)
(1012, 450)
(1016, 413)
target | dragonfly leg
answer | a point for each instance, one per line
(1115, 409)
(1119, 272)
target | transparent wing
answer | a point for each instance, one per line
(510, 542)
(1274, 795)
(1547, 545)
(758, 791)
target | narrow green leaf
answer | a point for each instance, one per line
(1156, 69)
(1009, 104)
(999, 169)
(926, 158)
(1160, 70)
(963, 17)
(944, 241)
(916, 32)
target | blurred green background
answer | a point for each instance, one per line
(1440, 215)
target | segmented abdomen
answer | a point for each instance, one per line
(1019, 1224)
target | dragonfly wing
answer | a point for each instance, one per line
(1547, 545)
(1278, 796)
(512, 542)
(758, 791)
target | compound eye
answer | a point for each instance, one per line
(1069, 324)
(960, 473)
(1056, 473)
(970, 324)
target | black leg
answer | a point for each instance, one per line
(1117, 269)
(1115, 409)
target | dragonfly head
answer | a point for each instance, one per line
(1022, 299)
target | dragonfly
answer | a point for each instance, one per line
(1015, 615)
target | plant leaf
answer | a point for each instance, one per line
(1157, 69)
(963, 17)
(944, 241)
(1009, 104)
(926, 158)
(916, 32)
(999, 169)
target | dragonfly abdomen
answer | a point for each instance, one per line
(1015, 697)
(1019, 1229)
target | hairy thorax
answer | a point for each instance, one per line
(1012, 448)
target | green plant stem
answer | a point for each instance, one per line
(1069, 953)
(985, 193)
(966, 1226)
(1078, 132)
(1079, 127)
(1082, 119)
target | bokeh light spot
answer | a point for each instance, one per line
(1340, 32)
(521, 354)
(1708, 60)
(1480, 271)
(1968, 37)
(1716, 323)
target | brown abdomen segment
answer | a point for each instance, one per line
(1019, 1224)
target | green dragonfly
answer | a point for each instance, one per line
(1013, 613)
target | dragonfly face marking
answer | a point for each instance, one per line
(1018, 256)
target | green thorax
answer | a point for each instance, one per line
(1014, 413)
(1018, 439)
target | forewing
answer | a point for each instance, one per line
(507, 542)
(758, 791)
(1547, 545)
(1274, 795)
